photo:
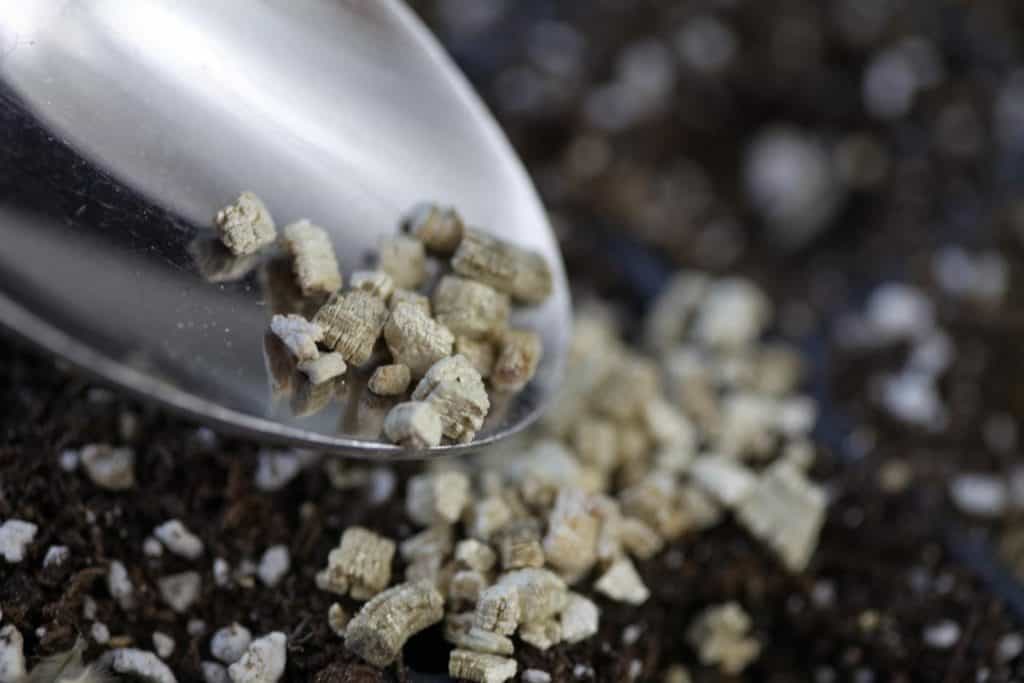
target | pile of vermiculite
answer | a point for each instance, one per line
(639, 450)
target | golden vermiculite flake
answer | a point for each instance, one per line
(437, 497)
(519, 543)
(439, 228)
(361, 564)
(435, 541)
(518, 357)
(403, 258)
(487, 516)
(461, 631)
(246, 226)
(390, 380)
(352, 323)
(466, 586)
(456, 391)
(542, 634)
(471, 309)
(542, 593)
(413, 424)
(580, 618)
(407, 296)
(313, 260)
(498, 609)
(480, 667)
(720, 634)
(521, 273)
(479, 352)
(375, 282)
(474, 554)
(415, 339)
(381, 628)
(571, 541)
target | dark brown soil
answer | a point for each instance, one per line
(889, 564)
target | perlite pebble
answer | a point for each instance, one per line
(15, 537)
(323, 368)
(100, 633)
(120, 586)
(109, 467)
(622, 583)
(980, 495)
(163, 644)
(941, 635)
(180, 591)
(230, 643)
(263, 661)
(214, 672)
(178, 539)
(274, 565)
(140, 664)
(298, 334)
(12, 655)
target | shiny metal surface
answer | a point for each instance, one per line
(124, 126)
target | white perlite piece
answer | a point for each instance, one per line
(100, 633)
(724, 478)
(56, 555)
(324, 368)
(980, 495)
(456, 391)
(15, 537)
(673, 309)
(415, 339)
(337, 619)
(390, 380)
(221, 572)
(413, 424)
(437, 497)
(179, 540)
(404, 259)
(228, 644)
(384, 624)
(274, 564)
(374, 282)
(298, 334)
(896, 311)
(480, 667)
(785, 511)
(535, 676)
(733, 314)
(140, 664)
(360, 565)
(12, 655)
(470, 309)
(120, 586)
(275, 469)
(163, 644)
(580, 619)
(313, 260)
(214, 672)
(719, 634)
(180, 591)
(352, 323)
(622, 583)
(246, 226)
(941, 635)
(511, 269)
(152, 547)
(263, 661)
(109, 467)
(438, 228)
(519, 355)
